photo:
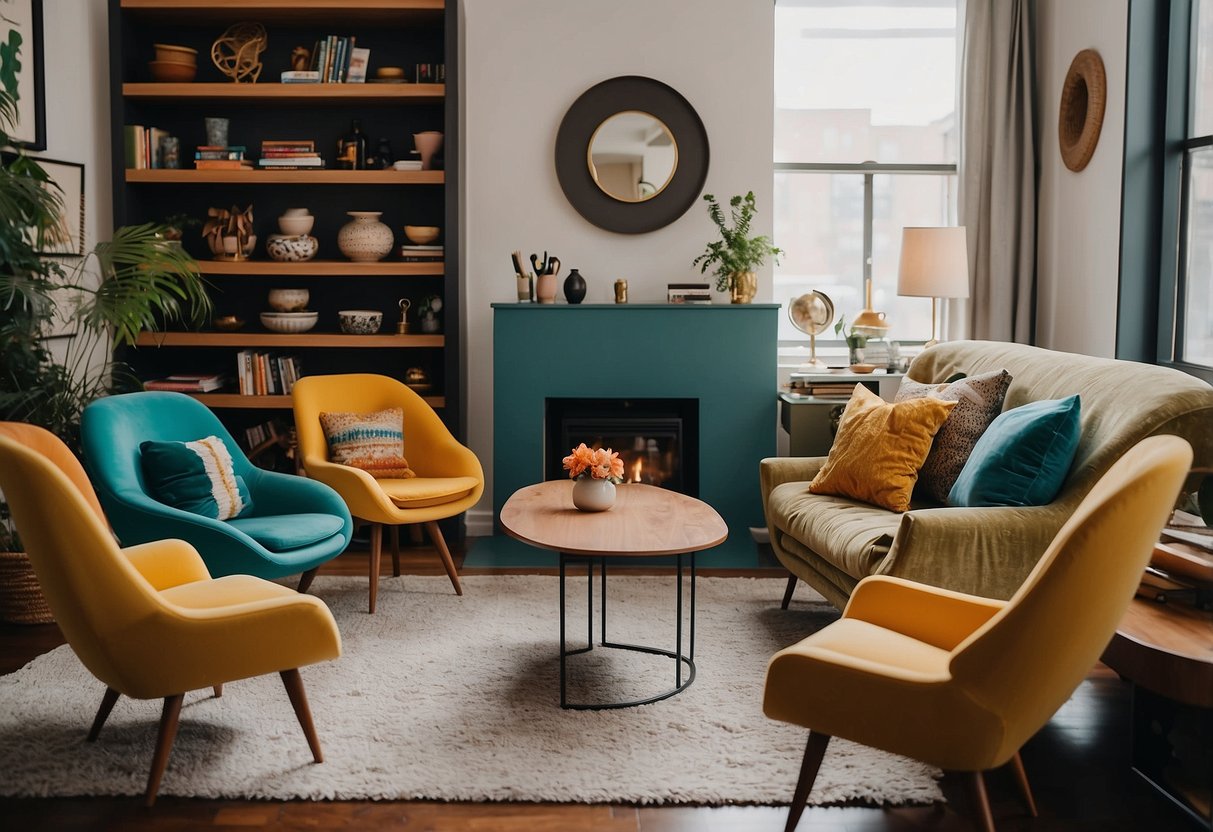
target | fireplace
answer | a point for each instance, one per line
(657, 439)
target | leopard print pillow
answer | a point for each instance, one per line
(979, 400)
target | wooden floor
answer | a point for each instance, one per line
(1078, 765)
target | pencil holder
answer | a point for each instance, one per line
(524, 287)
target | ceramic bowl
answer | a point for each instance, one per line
(167, 72)
(862, 369)
(296, 212)
(360, 321)
(296, 225)
(172, 54)
(422, 235)
(289, 322)
(288, 300)
(227, 323)
(390, 72)
(290, 249)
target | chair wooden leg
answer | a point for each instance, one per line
(1025, 788)
(218, 691)
(164, 745)
(294, 690)
(376, 553)
(447, 561)
(395, 537)
(981, 801)
(814, 751)
(305, 580)
(107, 705)
(787, 593)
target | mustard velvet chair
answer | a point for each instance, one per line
(52, 447)
(449, 478)
(149, 621)
(960, 681)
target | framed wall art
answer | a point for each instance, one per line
(21, 70)
(66, 237)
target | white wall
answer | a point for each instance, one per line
(1078, 223)
(523, 62)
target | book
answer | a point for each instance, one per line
(222, 164)
(360, 58)
(290, 162)
(304, 76)
(218, 154)
(132, 142)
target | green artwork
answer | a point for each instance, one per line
(10, 63)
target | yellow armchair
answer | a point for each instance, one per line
(449, 478)
(148, 621)
(963, 682)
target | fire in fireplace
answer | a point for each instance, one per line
(657, 439)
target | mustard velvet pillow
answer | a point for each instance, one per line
(879, 449)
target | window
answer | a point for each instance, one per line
(865, 144)
(1196, 203)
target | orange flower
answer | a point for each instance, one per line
(578, 461)
(616, 467)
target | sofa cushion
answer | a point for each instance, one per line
(420, 492)
(284, 532)
(879, 449)
(1023, 458)
(197, 477)
(373, 442)
(978, 403)
(852, 536)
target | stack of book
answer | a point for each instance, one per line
(823, 391)
(420, 254)
(266, 374)
(257, 435)
(188, 383)
(688, 293)
(217, 157)
(289, 154)
(142, 146)
(335, 60)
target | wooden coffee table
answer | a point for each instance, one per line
(645, 522)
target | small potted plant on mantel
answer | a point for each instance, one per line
(736, 255)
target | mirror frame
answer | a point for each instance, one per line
(589, 158)
(587, 114)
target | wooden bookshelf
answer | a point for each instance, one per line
(185, 176)
(320, 268)
(413, 12)
(277, 93)
(235, 401)
(275, 340)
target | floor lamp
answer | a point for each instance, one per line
(934, 264)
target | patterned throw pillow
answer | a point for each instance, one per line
(978, 403)
(879, 449)
(373, 442)
(196, 477)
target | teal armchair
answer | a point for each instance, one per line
(295, 524)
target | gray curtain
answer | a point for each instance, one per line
(997, 188)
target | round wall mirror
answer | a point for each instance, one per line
(632, 156)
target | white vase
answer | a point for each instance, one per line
(365, 239)
(590, 494)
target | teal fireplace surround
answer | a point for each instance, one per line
(723, 355)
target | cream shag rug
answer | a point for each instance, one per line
(449, 698)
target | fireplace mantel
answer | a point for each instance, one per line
(723, 355)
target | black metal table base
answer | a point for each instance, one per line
(681, 662)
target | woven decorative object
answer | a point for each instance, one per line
(21, 599)
(1083, 95)
(237, 52)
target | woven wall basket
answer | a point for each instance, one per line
(1083, 96)
(21, 599)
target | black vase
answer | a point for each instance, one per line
(574, 287)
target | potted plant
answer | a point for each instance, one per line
(133, 282)
(736, 255)
(855, 340)
(595, 472)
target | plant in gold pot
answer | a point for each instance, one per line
(736, 255)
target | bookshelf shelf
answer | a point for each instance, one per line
(235, 401)
(275, 340)
(320, 268)
(286, 177)
(288, 94)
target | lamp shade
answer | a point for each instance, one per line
(934, 263)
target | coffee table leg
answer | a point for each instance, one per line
(562, 653)
(678, 630)
(589, 603)
(691, 651)
(602, 564)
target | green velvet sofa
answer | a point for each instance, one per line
(832, 542)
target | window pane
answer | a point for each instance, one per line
(819, 224)
(1198, 270)
(866, 83)
(1202, 72)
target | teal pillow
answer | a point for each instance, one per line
(1023, 457)
(196, 477)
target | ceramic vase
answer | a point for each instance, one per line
(365, 239)
(428, 144)
(590, 494)
(744, 285)
(574, 287)
(545, 288)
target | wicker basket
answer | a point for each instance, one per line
(21, 599)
